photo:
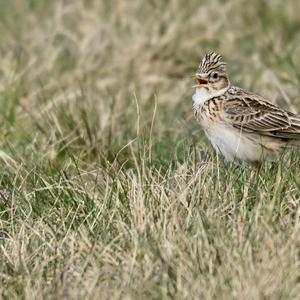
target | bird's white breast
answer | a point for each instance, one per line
(233, 145)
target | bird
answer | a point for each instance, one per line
(242, 126)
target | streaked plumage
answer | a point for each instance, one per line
(242, 126)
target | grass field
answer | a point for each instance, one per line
(109, 189)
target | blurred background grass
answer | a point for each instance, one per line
(108, 186)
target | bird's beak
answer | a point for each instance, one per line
(200, 81)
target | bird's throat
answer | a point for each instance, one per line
(203, 94)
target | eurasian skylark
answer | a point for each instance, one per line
(242, 126)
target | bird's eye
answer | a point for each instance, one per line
(215, 75)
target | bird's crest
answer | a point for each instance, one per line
(211, 61)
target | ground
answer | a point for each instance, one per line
(109, 189)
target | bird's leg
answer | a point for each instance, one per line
(256, 167)
(254, 172)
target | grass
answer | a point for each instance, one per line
(108, 187)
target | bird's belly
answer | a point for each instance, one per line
(234, 145)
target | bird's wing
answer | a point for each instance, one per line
(252, 113)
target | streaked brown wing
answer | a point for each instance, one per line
(252, 113)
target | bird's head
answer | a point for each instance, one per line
(211, 74)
